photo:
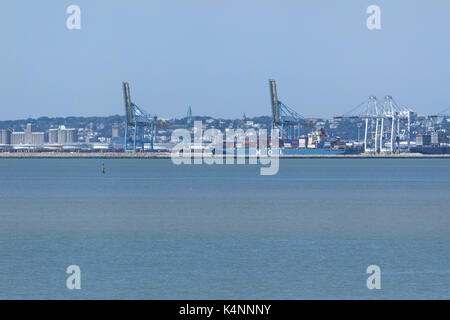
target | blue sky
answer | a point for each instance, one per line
(217, 56)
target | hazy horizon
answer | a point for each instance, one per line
(164, 118)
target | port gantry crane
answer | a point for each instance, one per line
(444, 113)
(136, 122)
(382, 120)
(284, 118)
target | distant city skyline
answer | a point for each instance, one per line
(217, 57)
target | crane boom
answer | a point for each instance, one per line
(127, 99)
(274, 101)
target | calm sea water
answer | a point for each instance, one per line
(148, 229)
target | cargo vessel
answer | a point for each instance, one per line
(314, 143)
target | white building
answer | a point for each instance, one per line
(62, 135)
(5, 136)
(17, 137)
(27, 136)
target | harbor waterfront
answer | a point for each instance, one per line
(155, 230)
(167, 155)
(225, 159)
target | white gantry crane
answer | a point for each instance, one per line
(386, 124)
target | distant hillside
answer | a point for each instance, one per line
(45, 123)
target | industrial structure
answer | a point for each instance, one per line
(386, 124)
(284, 118)
(189, 117)
(444, 113)
(137, 121)
(387, 128)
